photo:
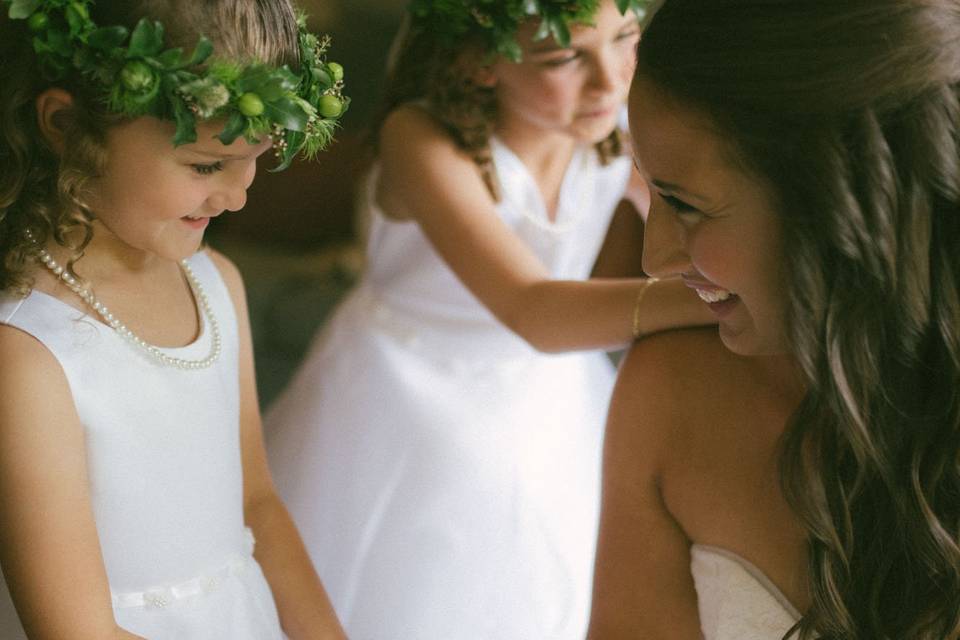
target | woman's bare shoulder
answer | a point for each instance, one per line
(671, 365)
(675, 383)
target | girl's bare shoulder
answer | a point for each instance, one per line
(40, 383)
(412, 126)
(421, 167)
(21, 352)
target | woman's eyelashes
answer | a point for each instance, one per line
(677, 204)
(207, 169)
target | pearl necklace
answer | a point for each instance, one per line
(162, 358)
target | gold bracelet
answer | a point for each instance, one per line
(644, 286)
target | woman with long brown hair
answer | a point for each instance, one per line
(797, 475)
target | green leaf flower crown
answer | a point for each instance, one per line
(140, 77)
(497, 21)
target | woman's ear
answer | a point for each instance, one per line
(52, 106)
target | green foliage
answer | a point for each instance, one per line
(497, 21)
(639, 7)
(22, 9)
(140, 77)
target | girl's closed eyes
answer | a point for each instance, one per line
(623, 38)
(207, 169)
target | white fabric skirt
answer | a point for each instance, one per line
(231, 603)
(443, 497)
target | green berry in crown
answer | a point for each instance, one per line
(250, 105)
(139, 76)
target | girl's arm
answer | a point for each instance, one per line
(622, 253)
(642, 582)
(426, 178)
(305, 611)
(48, 539)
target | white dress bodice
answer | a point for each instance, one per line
(164, 467)
(736, 600)
(407, 276)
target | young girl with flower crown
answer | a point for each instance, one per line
(133, 479)
(440, 447)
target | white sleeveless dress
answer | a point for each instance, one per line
(163, 452)
(736, 600)
(444, 474)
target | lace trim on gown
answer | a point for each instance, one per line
(161, 596)
(736, 600)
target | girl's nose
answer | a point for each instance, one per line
(231, 194)
(230, 197)
(604, 75)
(664, 243)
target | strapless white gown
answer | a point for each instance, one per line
(736, 600)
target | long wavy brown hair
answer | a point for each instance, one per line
(424, 68)
(44, 192)
(850, 111)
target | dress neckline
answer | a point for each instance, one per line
(578, 176)
(191, 346)
(754, 572)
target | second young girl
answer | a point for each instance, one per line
(438, 449)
